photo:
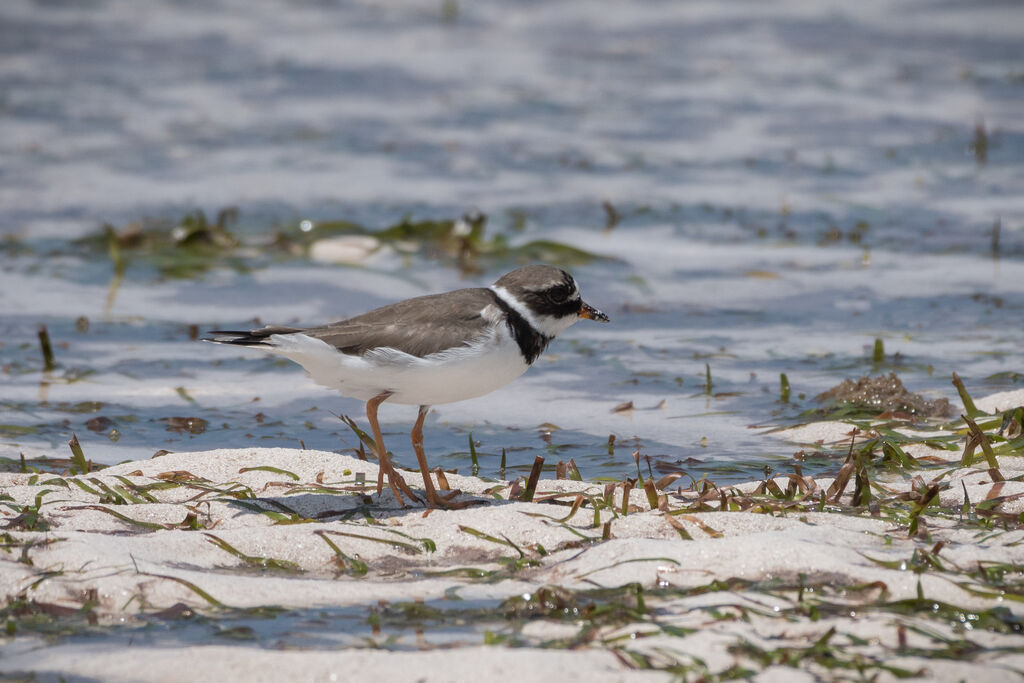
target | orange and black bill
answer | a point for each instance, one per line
(590, 313)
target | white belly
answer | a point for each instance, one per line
(453, 375)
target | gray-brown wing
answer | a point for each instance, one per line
(419, 327)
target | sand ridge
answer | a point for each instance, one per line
(303, 530)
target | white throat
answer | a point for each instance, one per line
(547, 325)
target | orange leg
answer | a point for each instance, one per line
(433, 499)
(417, 445)
(385, 468)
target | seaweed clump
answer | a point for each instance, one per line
(460, 242)
(883, 394)
(197, 244)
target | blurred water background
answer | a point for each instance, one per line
(765, 188)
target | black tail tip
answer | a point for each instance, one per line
(235, 337)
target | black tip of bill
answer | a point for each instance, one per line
(590, 313)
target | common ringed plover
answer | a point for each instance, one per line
(431, 349)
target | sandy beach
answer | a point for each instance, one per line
(707, 581)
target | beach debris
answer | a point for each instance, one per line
(254, 561)
(460, 242)
(183, 393)
(78, 461)
(883, 394)
(472, 456)
(44, 344)
(977, 436)
(183, 248)
(612, 216)
(100, 423)
(181, 425)
(450, 11)
(573, 471)
(1012, 423)
(623, 407)
(965, 398)
(345, 249)
(196, 244)
(567, 470)
(29, 517)
(347, 564)
(980, 144)
(531, 483)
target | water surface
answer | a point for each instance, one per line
(790, 183)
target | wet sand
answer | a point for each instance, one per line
(233, 530)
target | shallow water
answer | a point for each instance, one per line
(405, 626)
(792, 182)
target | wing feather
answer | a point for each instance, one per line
(420, 326)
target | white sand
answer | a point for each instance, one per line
(130, 572)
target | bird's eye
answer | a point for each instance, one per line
(559, 293)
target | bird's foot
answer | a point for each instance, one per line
(398, 486)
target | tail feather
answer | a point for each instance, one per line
(249, 337)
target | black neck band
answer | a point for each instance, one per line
(531, 342)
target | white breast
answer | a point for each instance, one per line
(491, 361)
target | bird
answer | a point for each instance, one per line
(429, 350)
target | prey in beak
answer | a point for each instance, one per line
(590, 313)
